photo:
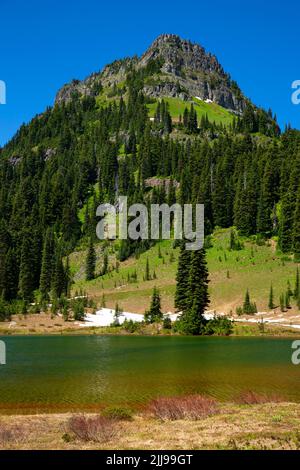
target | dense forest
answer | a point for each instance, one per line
(247, 174)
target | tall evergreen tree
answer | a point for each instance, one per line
(90, 262)
(271, 299)
(182, 279)
(58, 277)
(47, 264)
(192, 319)
(26, 276)
(154, 314)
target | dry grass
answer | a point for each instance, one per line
(187, 407)
(260, 426)
(10, 435)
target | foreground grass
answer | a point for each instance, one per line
(259, 426)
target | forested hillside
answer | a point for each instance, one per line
(98, 142)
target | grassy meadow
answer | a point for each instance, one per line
(253, 267)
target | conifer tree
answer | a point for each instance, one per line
(182, 279)
(47, 265)
(296, 230)
(147, 271)
(297, 285)
(198, 282)
(105, 263)
(11, 275)
(282, 303)
(90, 262)
(26, 277)
(58, 278)
(271, 299)
(192, 319)
(249, 308)
(154, 314)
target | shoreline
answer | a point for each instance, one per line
(244, 332)
(99, 323)
(243, 427)
(240, 330)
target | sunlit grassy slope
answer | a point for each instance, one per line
(214, 111)
(231, 272)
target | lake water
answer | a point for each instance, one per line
(85, 372)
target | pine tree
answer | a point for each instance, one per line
(90, 262)
(105, 263)
(271, 299)
(11, 275)
(266, 201)
(287, 300)
(297, 285)
(198, 281)
(147, 271)
(26, 276)
(249, 308)
(192, 319)
(282, 303)
(47, 265)
(154, 314)
(296, 230)
(182, 279)
(58, 278)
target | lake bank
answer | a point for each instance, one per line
(45, 324)
(247, 427)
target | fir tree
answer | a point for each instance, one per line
(154, 314)
(105, 263)
(297, 285)
(282, 303)
(192, 319)
(182, 279)
(90, 262)
(26, 277)
(147, 271)
(47, 265)
(271, 299)
(58, 278)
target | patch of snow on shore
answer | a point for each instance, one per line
(105, 317)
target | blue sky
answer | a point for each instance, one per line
(46, 44)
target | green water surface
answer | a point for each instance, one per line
(80, 372)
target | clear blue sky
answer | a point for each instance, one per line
(44, 44)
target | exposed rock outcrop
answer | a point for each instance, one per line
(179, 69)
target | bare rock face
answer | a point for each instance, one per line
(160, 182)
(191, 71)
(181, 70)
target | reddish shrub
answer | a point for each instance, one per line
(10, 434)
(188, 407)
(253, 398)
(97, 428)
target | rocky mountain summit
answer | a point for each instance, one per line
(171, 67)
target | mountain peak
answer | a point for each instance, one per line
(179, 53)
(173, 67)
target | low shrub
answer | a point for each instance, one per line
(96, 429)
(10, 434)
(188, 407)
(253, 398)
(219, 325)
(118, 413)
(131, 326)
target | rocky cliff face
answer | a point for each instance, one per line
(177, 68)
